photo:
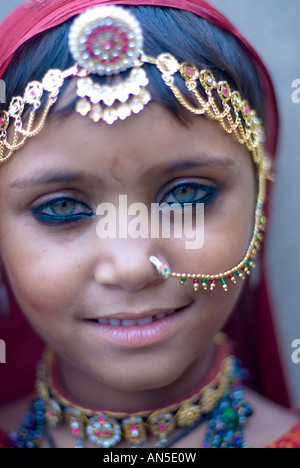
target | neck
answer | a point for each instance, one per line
(86, 391)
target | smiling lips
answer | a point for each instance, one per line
(136, 330)
(135, 323)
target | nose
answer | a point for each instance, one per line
(126, 264)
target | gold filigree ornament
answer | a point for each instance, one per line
(103, 431)
(108, 41)
(106, 429)
(134, 431)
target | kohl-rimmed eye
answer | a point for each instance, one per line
(190, 192)
(61, 210)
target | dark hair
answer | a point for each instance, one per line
(186, 36)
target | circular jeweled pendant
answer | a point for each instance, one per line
(106, 40)
(104, 432)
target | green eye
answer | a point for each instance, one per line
(62, 211)
(185, 194)
(191, 193)
(63, 207)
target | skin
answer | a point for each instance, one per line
(63, 275)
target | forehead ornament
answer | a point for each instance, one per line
(106, 43)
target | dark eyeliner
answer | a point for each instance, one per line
(59, 220)
(212, 193)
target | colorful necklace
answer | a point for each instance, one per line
(220, 401)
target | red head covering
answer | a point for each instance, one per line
(26, 22)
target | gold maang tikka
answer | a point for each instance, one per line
(107, 41)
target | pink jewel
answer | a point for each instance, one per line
(108, 45)
(225, 91)
(99, 434)
(133, 428)
(191, 71)
(75, 431)
(163, 427)
(105, 49)
(247, 110)
(102, 420)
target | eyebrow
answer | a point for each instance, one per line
(205, 160)
(51, 177)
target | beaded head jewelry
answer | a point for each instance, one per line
(107, 41)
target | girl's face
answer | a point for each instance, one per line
(66, 278)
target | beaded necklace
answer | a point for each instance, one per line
(221, 403)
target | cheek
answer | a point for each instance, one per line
(227, 230)
(43, 275)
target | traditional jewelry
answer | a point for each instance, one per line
(240, 271)
(108, 41)
(162, 268)
(221, 402)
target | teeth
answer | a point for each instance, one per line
(145, 321)
(115, 322)
(103, 321)
(134, 323)
(128, 323)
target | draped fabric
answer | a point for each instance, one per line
(24, 23)
(290, 440)
(23, 347)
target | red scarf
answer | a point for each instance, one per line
(23, 24)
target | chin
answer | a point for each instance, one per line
(144, 376)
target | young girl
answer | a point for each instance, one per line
(163, 104)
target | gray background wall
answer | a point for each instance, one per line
(273, 27)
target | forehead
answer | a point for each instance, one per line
(152, 139)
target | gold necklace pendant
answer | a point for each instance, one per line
(106, 429)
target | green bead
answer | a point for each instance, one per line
(230, 415)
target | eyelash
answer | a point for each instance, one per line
(60, 220)
(45, 218)
(211, 193)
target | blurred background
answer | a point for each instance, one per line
(272, 26)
